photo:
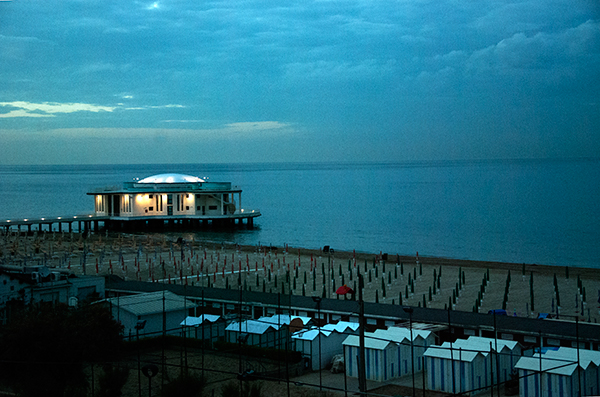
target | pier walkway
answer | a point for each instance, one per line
(91, 222)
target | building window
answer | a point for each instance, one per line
(151, 196)
(99, 203)
(212, 207)
(197, 208)
(187, 207)
(151, 209)
(126, 202)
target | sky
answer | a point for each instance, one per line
(236, 81)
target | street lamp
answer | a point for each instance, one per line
(317, 300)
(410, 310)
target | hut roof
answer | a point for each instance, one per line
(456, 353)
(151, 303)
(310, 334)
(196, 321)
(371, 341)
(400, 334)
(547, 364)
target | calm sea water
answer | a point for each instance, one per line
(545, 212)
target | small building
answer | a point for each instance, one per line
(389, 352)
(40, 284)
(173, 198)
(325, 341)
(401, 336)
(162, 311)
(377, 353)
(556, 372)
(470, 364)
(209, 327)
(272, 332)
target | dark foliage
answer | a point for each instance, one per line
(188, 385)
(232, 389)
(290, 356)
(43, 350)
(111, 381)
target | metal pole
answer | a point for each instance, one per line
(451, 355)
(137, 334)
(317, 300)
(409, 310)
(362, 374)
(578, 362)
(497, 358)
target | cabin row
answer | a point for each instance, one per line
(466, 366)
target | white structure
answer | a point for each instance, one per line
(560, 373)
(468, 364)
(209, 327)
(37, 284)
(388, 352)
(163, 311)
(421, 340)
(264, 332)
(171, 197)
(329, 336)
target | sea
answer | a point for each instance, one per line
(520, 211)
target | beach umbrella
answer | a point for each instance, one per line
(344, 289)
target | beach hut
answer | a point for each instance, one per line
(401, 336)
(264, 332)
(158, 312)
(471, 369)
(556, 372)
(330, 337)
(470, 364)
(377, 353)
(208, 327)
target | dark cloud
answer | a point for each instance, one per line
(444, 79)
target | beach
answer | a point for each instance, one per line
(432, 282)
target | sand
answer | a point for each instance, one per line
(166, 258)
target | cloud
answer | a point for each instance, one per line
(541, 51)
(250, 130)
(23, 113)
(254, 126)
(48, 109)
(340, 70)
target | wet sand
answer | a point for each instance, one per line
(408, 280)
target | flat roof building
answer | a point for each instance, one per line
(161, 198)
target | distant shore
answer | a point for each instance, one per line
(424, 281)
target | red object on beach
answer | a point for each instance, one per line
(344, 289)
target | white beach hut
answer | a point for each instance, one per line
(471, 368)
(208, 327)
(401, 336)
(557, 373)
(377, 353)
(331, 337)
(470, 364)
(264, 332)
(162, 311)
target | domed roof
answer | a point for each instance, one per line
(171, 178)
